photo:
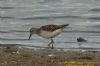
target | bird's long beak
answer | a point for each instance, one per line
(30, 36)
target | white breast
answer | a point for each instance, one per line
(49, 34)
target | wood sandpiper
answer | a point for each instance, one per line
(48, 32)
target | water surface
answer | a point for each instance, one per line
(18, 16)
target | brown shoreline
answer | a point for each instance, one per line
(13, 56)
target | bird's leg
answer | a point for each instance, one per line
(51, 43)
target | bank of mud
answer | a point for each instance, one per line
(13, 56)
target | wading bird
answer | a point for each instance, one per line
(48, 32)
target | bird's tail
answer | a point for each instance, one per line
(64, 25)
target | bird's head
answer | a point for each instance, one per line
(32, 31)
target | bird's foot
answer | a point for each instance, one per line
(50, 47)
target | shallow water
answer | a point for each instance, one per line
(18, 16)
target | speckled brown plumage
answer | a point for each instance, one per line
(52, 27)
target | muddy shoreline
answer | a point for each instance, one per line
(13, 56)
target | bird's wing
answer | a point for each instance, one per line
(50, 27)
